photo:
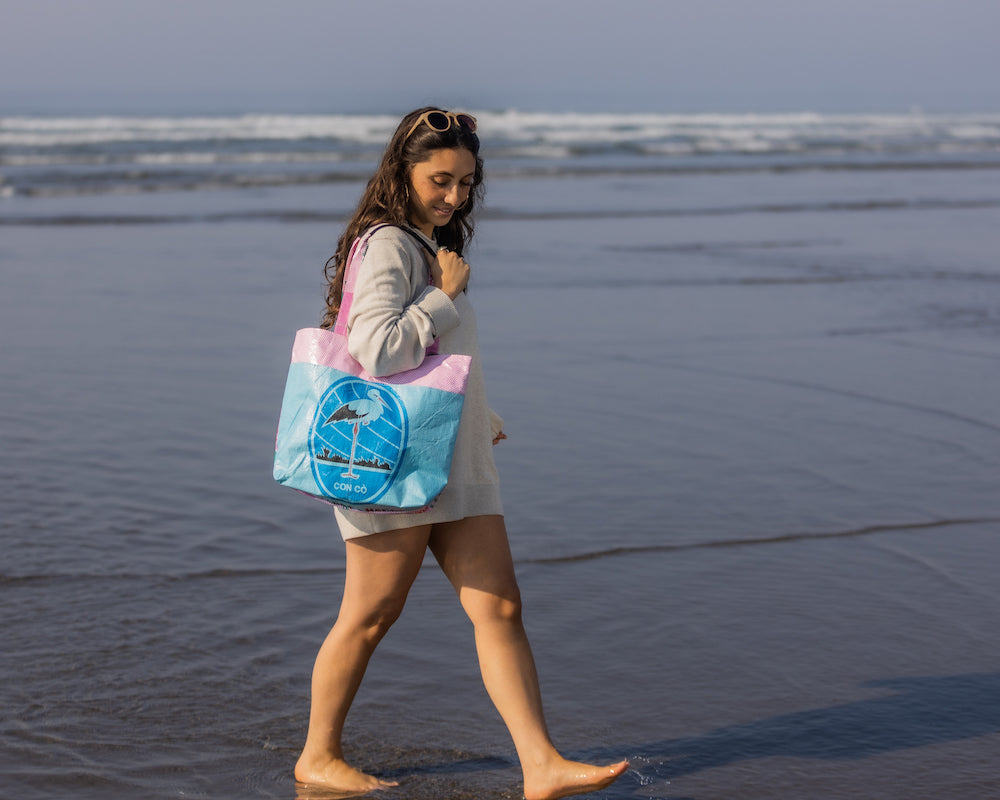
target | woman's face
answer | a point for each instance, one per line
(440, 185)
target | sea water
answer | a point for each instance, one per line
(748, 367)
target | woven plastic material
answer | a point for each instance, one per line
(373, 444)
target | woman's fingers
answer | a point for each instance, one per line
(451, 273)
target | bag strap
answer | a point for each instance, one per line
(354, 257)
(416, 236)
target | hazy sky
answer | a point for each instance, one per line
(389, 55)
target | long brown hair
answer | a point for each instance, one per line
(386, 198)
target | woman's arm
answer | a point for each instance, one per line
(395, 316)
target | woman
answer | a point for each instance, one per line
(426, 188)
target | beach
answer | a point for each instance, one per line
(749, 372)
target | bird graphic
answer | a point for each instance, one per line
(361, 412)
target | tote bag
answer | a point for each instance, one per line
(371, 444)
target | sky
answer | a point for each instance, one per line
(323, 56)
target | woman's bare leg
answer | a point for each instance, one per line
(381, 569)
(475, 555)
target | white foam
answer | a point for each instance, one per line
(75, 131)
(573, 130)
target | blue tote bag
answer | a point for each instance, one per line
(372, 444)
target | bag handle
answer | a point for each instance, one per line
(415, 235)
(357, 253)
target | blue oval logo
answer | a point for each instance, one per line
(357, 440)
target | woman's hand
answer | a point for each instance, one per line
(499, 437)
(450, 272)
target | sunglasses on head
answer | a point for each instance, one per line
(441, 121)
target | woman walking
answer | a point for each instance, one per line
(422, 196)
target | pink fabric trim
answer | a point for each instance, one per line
(347, 294)
(329, 349)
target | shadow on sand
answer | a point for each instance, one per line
(922, 711)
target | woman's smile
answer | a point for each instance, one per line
(438, 186)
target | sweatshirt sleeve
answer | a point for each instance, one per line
(392, 320)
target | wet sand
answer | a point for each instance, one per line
(757, 548)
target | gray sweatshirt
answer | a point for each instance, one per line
(395, 316)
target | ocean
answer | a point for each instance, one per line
(749, 369)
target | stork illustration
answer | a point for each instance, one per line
(360, 412)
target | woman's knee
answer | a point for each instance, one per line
(374, 620)
(488, 607)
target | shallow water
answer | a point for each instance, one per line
(751, 483)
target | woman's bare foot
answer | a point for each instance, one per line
(337, 774)
(567, 778)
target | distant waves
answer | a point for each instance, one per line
(300, 216)
(102, 155)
